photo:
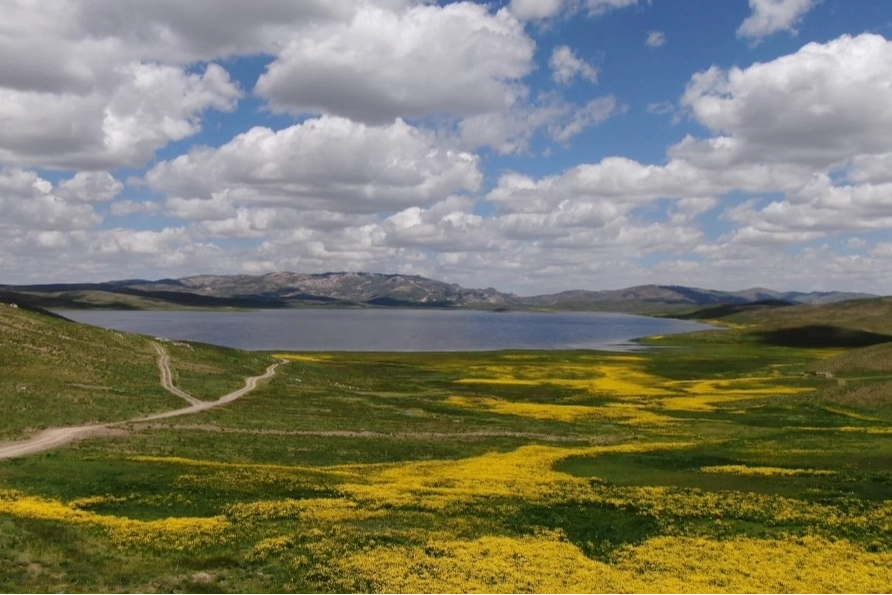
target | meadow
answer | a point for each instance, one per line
(737, 460)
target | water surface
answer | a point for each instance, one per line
(390, 330)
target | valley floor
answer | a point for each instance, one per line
(712, 464)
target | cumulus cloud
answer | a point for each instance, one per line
(124, 208)
(771, 16)
(566, 66)
(591, 114)
(98, 85)
(871, 168)
(818, 209)
(814, 126)
(143, 108)
(90, 187)
(31, 202)
(820, 106)
(457, 59)
(526, 10)
(655, 39)
(382, 174)
(599, 7)
(324, 163)
(618, 181)
(75, 41)
(511, 130)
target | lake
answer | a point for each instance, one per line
(390, 330)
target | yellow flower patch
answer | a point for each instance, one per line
(548, 563)
(619, 412)
(704, 395)
(294, 357)
(853, 429)
(851, 414)
(618, 375)
(165, 534)
(267, 548)
(764, 471)
(524, 473)
(556, 412)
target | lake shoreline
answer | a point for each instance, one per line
(389, 330)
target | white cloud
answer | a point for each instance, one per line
(566, 66)
(871, 168)
(771, 16)
(655, 39)
(29, 202)
(69, 44)
(591, 114)
(738, 266)
(143, 109)
(447, 225)
(621, 182)
(818, 209)
(90, 187)
(326, 163)
(805, 138)
(599, 7)
(123, 208)
(527, 10)
(530, 10)
(508, 131)
(456, 60)
(511, 130)
(787, 128)
(820, 106)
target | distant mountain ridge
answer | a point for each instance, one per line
(287, 289)
(677, 295)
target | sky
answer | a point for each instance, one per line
(533, 146)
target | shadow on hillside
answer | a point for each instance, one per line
(723, 310)
(820, 336)
(29, 303)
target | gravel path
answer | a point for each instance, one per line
(53, 437)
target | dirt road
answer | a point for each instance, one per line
(167, 376)
(250, 384)
(53, 437)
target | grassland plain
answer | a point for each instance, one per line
(725, 461)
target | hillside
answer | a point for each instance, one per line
(676, 298)
(872, 315)
(56, 372)
(285, 289)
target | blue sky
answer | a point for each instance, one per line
(529, 145)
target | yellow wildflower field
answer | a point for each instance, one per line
(514, 472)
(548, 563)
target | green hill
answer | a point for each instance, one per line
(57, 372)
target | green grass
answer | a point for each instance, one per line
(208, 372)
(57, 373)
(319, 429)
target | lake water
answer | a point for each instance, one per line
(390, 330)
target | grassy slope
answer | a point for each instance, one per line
(860, 331)
(342, 435)
(868, 315)
(56, 372)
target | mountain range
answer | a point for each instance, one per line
(285, 289)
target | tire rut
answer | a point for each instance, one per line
(54, 437)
